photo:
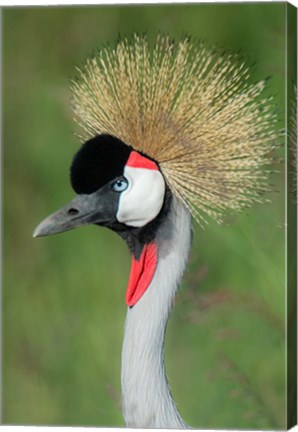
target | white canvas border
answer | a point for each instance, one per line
(12, 3)
(32, 3)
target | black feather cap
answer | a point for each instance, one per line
(99, 160)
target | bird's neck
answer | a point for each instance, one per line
(146, 397)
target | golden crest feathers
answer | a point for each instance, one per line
(192, 109)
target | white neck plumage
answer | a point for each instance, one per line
(146, 398)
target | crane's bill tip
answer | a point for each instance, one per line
(49, 226)
(39, 231)
(35, 234)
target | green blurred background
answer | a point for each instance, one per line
(63, 297)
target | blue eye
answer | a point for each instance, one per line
(120, 185)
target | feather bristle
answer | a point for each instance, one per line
(192, 109)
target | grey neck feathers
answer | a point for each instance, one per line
(146, 398)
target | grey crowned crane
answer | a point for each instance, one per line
(171, 132)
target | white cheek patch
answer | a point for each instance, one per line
(143, 200)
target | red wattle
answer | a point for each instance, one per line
(141, 274)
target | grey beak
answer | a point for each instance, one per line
(82, 210)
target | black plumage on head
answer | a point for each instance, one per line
(99, 160)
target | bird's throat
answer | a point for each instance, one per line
(146, 398)
(141, 273)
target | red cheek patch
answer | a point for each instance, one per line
(136, 160)
(141, 274)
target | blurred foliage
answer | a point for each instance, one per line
(63, 297)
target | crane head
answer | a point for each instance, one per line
(116, 187)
